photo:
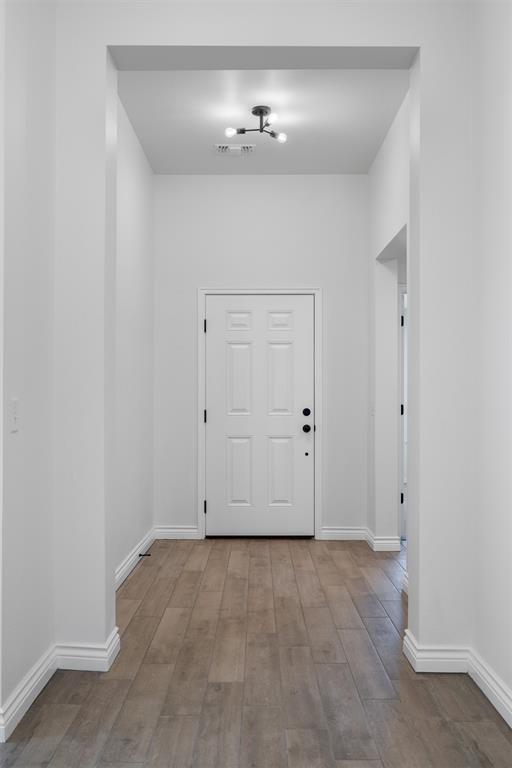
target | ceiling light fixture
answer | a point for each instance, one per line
(266, 118)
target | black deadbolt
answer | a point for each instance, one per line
(306, 411)
(306, 428)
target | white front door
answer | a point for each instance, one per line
(260, 437)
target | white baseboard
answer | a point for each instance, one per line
(124, 568)
(80, 656)
(132, 558)
(383, 543)
(377, 543)
(176, 532)
(26, 693)
(96, 657)
(339, 533)
(429, 658)
(496, 690)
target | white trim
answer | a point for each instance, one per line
(496, 690)
(319, 391)
(25, 693)
(343, 534)
(446, 658)
(383, 543)
(200, 385)
(177, 532)
(96, 657)
(377, 543)
(132, 558)
(430, 658)
(403, 396)
(127, 565)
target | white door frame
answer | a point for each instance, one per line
(202, 293)
(402, 374)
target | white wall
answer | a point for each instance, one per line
(27, 589)
(389, 214)
(262, 231)
(84, 336)
(3, 62)
(492, 125)
(389, 182)
(443, 318)
(133, 449)
(447, 443)
(384, 402)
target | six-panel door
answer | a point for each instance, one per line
(259, 380)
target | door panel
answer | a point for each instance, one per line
(259, 378)
(280, 378)
(238, 378)
(239, 471)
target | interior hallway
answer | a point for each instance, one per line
(261, 654)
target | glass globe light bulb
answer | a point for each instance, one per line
(230, 132)
(272, 118)
(282, 137)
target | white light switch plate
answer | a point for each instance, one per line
(14, 415)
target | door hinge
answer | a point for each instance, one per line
(401, 498)
(204, 324)
(402, 411)
(402, 321)
(205, 506)
(205, 415)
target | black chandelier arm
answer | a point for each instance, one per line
(263, 113)
(257, 130)
(263, 129)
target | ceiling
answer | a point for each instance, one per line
(335, 119)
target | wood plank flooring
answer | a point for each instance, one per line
(253, 653)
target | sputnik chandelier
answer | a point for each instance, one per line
(266, 118)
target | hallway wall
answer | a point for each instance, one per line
(133, 482)
(492, 130)
(442, 477)
(262, 231)
(450, 445)
(389, 182)
(3, 61)
(27, 529)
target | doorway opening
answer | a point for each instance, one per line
(292, 213)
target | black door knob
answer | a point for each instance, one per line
(306, 428)
(306, 411)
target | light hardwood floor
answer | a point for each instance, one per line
(247, 653)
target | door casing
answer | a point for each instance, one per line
(200, 452)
